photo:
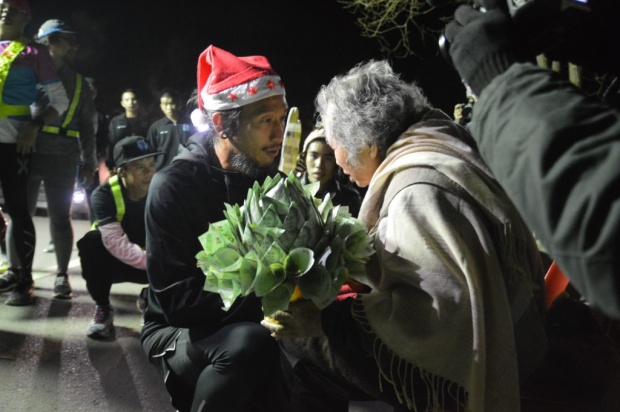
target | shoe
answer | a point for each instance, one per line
(142, 301)
(49, 248)
(8, 281)
(23, 294)
(102, 325)
(62, 288)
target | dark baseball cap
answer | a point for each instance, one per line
(132, 148)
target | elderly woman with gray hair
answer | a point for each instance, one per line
(454, 319)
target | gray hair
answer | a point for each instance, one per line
(370, 105)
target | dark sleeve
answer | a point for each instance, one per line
(103, 205)
(556, 152)
(151, 136)
(87, 128)
(111, 140)
(343, 331)
(172, 245)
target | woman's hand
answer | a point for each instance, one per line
(301, 320)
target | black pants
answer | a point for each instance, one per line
(328, 384)
(236, 368)
(14, 180)
(100, 269)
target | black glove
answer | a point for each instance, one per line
(480, 45)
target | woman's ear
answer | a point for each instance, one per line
(374, 151)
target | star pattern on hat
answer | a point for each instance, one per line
(232, 96)
(252, 90)
(270, 84)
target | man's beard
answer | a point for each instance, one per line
(243, 164)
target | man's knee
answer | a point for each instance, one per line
(89, 249)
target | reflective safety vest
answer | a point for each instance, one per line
(6, 59)
(117, 194)
(75, 100)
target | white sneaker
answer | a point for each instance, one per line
(102, 326)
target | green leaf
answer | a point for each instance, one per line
(268, 278)
(247, 273)
(225, 260)
(217, 237)
(299, 261)
(278, 299)
(312, 188)
(274, 254)
(317, 286)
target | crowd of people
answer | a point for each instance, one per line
(57, 138)
(451, 313)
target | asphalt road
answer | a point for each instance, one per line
(48, 364)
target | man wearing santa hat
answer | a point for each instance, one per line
(213, 359)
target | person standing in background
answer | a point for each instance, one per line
(172, 130)
(23, 66)
(65, 149)
(130, 123)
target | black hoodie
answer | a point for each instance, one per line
(184, 198)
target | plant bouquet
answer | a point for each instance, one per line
(283, 244)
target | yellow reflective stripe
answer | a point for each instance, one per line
(6, 59)
(61, 131)
(74, 101)
(117, 194)
(118, 197)
(7, 110)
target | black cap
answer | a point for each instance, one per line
(132, 148)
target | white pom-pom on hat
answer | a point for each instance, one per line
(200, 120)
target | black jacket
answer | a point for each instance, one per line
(183, 199)
(121, 126)
(556, 152)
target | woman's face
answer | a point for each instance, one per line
(367, 163)
(320, 162)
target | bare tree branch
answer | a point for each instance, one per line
(402, 27)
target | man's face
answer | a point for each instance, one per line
(129, 101)
(12, 17)
(64, 48)
(138, 175)
(260, 132)
(169, 107)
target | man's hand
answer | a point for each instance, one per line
(480, 45)
(27, 138)
(301, 320)
(87, 177)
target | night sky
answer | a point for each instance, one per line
(150, 45)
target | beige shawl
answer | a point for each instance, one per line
(452, 277)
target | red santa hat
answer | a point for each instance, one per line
(24, 5)
(226, 81)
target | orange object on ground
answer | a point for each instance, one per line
(555, 283)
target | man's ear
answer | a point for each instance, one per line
(218, 125)
(217, 120)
